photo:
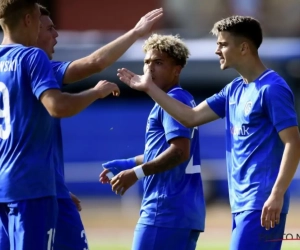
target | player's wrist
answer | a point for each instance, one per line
(135, 34)
(150, 88)
(139, 172)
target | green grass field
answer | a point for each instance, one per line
(110, 226)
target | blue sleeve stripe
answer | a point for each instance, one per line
(178, 133)
(292, 122)
(40, 90)
(214, 108)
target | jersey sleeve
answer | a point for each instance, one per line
(278, 103)
(40, 72)
(217, 102)
(59, 70)
(172, 127)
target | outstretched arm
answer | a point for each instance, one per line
(189, 117)
(107, 55)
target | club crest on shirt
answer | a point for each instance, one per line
(248, 108)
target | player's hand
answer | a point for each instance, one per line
(124, 180)
(105, 88)
(76, 201)
(271, 211)
(103, 177)
(141, 83)
(144, 26)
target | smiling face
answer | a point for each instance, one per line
(164, 71)
(47, 36)
(229, 50)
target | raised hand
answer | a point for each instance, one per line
(138, 82)
(144, 26)
(105, 88)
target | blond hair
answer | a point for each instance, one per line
(172, 45)
(11, 11)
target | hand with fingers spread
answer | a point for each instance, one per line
(144, 26)
(105, 88)
(138, 82)
(271, 211)
(124, 180)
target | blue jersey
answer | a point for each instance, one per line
(59, 69)
(26, 134)
(173, 198)
(255, 114)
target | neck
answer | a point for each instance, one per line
(167, 89)
(251, 70)
(17, 36)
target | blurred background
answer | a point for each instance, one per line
(114, 128)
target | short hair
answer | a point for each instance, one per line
(44, 11)
(12, 10)
(172, 45)
(243, 26)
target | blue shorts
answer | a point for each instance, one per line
(148, 237)
(28, 224)
(70, 234)
(248, 234)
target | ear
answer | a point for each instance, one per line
(178, 69)
(27, 20)
(244, 48)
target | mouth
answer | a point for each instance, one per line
(222, 60)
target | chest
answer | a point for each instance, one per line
(245, 106)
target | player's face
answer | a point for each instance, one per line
(47, 36)
(164, 71)
(228, 50)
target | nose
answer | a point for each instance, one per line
(151, 66)
(55, 34)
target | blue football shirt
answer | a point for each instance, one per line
(26, 134)
(173, 198)
(59, 69)
(255, 113)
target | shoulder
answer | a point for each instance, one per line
(235, 83)
(273, 82)
(34, 54)
(180, 94)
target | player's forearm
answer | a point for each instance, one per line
(169, 159)
(289, 164)
(139, 159)
(181, 112)
(72, 104)
(108, 54)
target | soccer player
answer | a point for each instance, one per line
(172, 213)
(262, 137)
(70, 234)
(29, 96)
